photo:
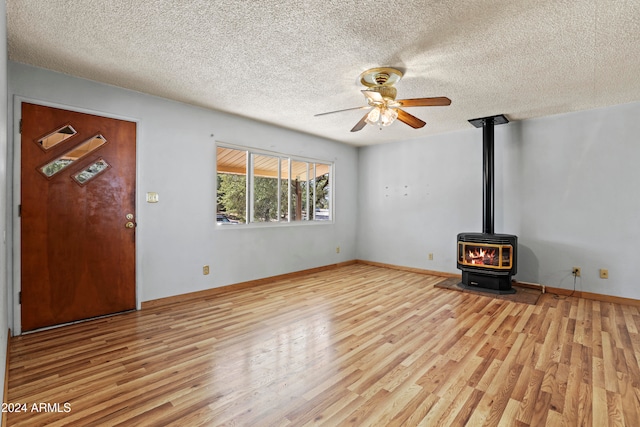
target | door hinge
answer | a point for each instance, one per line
(20, 297)
(20, 126)
(19, 210)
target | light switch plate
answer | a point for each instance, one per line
(152, 197)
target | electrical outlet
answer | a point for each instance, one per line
(337, 249)
(430, 257)
(205, 270)
(604, 273)
(576, 271)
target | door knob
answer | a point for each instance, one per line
(130, 224)
(129, 216)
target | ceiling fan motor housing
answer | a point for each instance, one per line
(386, 91)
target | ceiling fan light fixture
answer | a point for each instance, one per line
(388, 116)
(374, 116)
(381, 116)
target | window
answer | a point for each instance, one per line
(299, 189)
(78, 152)
(261, 187)
(266, 188)
(232, 184)
(57, 137)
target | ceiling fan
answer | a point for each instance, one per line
(382, 103)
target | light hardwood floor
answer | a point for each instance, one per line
(357, 345)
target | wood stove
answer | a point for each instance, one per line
(488, 260)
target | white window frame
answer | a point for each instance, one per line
(309, 217)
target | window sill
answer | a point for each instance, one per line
(243, 226)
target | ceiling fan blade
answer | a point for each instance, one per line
(373, 95)
(362, 123)
(407, 118)
(340, 111)
(425, 102)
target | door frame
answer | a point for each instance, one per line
(13, 240)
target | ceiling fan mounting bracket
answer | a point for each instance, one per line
(381, 76)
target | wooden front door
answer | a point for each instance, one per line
(77, 216)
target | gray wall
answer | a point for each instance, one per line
(580, 199)
(4, 301)
(567, 185)
(176, 158)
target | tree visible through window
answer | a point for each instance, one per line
(276, 189)
(266, 182)
(232, 184)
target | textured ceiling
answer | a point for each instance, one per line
(283, 61)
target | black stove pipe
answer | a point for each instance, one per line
(488, 203)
